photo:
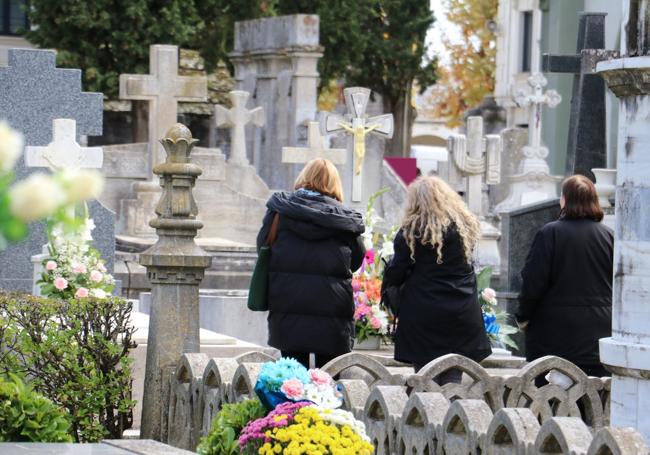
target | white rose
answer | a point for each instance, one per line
(11, 146)
(98, 293)
(82, 184)
(36, 197)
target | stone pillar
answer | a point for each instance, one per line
(275, 59)
(627, 353)
(175, 267)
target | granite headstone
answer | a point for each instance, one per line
(33, 92)
(586, 145)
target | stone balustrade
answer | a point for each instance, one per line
(411, 414)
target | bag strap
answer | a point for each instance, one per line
(273, 233)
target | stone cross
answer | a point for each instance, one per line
(477, 157)
(587, 144)
(534, 153)
(236, 118)
(175, 267)
(315, 150)
(63, 152)
(163, 88)
(357, 125)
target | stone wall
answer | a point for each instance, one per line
(492, 411)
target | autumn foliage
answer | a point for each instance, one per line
(468, 76)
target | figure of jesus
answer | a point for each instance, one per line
(359, 133)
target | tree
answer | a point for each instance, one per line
(110, 37)
(469, 76)
(379, 44)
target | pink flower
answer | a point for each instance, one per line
(355, 285)
(60, 283)
(79, 268)
(101, 267)
(50, 265)
(319, 377)
(96, 276)
(292, 388)
(81, 293)
(375, 323)
(361, 298)
(370, 257)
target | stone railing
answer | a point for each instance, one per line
(407, 413)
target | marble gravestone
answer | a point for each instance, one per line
(587, 144)
(315, 149)
(34, 92)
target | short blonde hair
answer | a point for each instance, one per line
(321, 175)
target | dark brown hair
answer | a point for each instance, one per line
(580, 199)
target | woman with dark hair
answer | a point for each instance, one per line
(565, 304)
(317, 247)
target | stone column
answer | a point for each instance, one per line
(175, 267)
(627, 353)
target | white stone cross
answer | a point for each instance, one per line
(236, 118)
(315, 150)
(476, 156)
(64, 152)
(357, 125)
(163, 88)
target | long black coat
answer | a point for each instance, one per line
(311, 307)
(439, 312)
(567, 291)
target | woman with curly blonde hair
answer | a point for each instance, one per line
(439, 311)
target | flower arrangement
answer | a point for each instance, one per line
(286, 380)
(296, 413)
(370, 317)
(73, 269)
(40, 195)
(496, 321)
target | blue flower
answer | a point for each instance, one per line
(273, 374)
(491, 325)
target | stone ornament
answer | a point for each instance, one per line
(478, 158)
(563, 435)
(163, 89)
(379, 373)
(512, 431)
(315, 149)
(358, 126)
(423, 415)
(382, 415)
(236, 118)
(465, 427)
(175, 267)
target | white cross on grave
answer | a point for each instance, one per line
(476, 157)
(163, 88)
(64, 152)
(236, 118)
(357, 125)
(315, 150)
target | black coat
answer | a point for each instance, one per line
(567, 291)
(318, 245)
(439, 312)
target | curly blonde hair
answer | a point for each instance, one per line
(431, 208)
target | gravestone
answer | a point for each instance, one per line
(357, 125)
(275, 60)
(34, 92)
(236, 118)
(587, 144)
(533, 181)
(316, 149)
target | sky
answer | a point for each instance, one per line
(434, 37)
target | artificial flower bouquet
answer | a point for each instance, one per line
(73, 269)
(370, 317)
(301, 416)
(496, 323)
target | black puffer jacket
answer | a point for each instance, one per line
(310, 280)
(566, 294)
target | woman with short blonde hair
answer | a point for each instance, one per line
(439, 311)
(318, 245)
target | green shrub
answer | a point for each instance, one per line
(76, 354)
(28, 416)
(227, 425)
